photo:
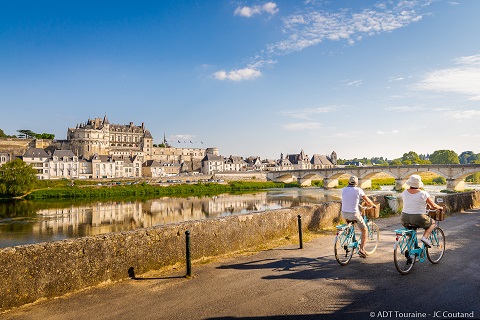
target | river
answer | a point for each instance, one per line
(27, 222)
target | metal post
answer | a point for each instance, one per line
(300, 231)
(189, 260)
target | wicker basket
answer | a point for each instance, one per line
(373, 212)
(438, 215)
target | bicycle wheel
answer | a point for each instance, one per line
(343, 249)
(401, 255)
(437, 238)
(373, 236)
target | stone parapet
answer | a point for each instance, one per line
(52, 269)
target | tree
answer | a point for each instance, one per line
(3, 135)
(26, 134)
(466, 157)
(44, 135)
(16, 178)
(444, 157)
(410, 157)
(396, 162)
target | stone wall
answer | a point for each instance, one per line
(14, 146)
(458, 202)
(52, 269)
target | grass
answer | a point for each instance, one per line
(146, 190)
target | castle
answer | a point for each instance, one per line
(98, 136)
(98, 149)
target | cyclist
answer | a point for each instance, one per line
(351, 196)
(415, 202)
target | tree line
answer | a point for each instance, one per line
(411, 158)
(28, 134)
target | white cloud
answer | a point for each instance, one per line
(181, 137)
(248, 12)
(355, 83)
(306, 113)
(237, 75)
(302, 126)
(313, 26)
(380, 132)
(465, 114)
(404, 108)
(470, 135)
(464, 79)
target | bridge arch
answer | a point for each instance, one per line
(454, 174)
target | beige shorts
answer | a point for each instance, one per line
(356, 216)
(421, 220)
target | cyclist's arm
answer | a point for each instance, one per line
(433, 205)
(368, 201)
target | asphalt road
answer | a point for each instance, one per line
(292, 283)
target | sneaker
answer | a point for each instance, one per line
(362, 254)
(427, 242)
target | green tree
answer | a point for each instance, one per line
(410, 157)
(379, 161)
(396, 162)
(16, 178)
(3, 135)
(44, 135)
(26, 134)
(444, 157)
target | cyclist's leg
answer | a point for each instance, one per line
(429, 229)
(364, 232)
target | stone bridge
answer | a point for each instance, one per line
(455, 174)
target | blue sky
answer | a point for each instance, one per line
(361, 78)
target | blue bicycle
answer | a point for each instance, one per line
(346, 242)
(406, 249)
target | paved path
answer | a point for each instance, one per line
(289, 283)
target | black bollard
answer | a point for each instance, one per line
(300, 231)
(189, 260)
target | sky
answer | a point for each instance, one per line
(252, 78)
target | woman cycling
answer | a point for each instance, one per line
(415, 202)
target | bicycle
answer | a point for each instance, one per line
(406, 249)
(346, 242)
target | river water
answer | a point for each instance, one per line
(27, 222)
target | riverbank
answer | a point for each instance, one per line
(145, 189)
(109, 190)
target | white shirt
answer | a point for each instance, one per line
(415, 203)
(351, 199)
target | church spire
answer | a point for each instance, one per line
(105, 119)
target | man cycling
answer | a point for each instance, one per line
(351, 196)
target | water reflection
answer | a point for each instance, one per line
(25, 222)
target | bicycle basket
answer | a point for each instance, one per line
(438, 215)
(373, 212)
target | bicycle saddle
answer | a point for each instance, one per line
(351, 221)
(411, 226)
